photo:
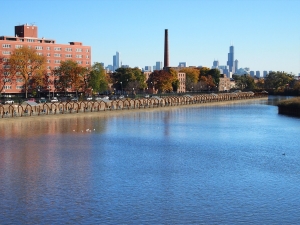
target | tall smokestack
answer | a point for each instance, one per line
(166, 56)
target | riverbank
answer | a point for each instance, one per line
(290, 107)
(121, 112)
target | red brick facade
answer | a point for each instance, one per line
(26, 35)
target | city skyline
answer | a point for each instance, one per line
(262, 32)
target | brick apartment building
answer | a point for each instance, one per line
(27, 35)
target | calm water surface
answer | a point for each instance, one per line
(227, 164)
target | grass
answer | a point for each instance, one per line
(293, 103)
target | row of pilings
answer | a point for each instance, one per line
(23, 110)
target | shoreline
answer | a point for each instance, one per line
(120, 112)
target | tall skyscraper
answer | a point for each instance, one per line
(230, 61)
(116, 61)
(166, 50)
(158, 66)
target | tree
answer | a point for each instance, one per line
(70, 75)
(215, 74)
(203, 72)
(125, 77)
(97, 79)
(174, 77)
(244, 82)
(26, 63)
(161, 80)
(192, 76)
(278, 80)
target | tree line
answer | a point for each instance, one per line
(28, 68)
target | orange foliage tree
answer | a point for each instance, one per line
(26, 64)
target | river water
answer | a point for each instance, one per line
(225, 164)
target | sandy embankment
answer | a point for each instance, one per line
(119, 112)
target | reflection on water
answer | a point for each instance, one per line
(219, 164)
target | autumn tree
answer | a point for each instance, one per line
(70, 75)
(192, 76)
(161, 80)
(27, 64)
(97, 78)
(174, 77)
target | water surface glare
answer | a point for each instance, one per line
(223, 164)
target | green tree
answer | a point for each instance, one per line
(215, 74)
(97, 79)
(27, 64)
(244, 82)
(278, 80)
(124, 78)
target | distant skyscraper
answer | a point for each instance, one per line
(265, 73)
(182, 64)
(158, 66)
(236, 65)
(257, 73)
(252, 74)
(116, 61)
(230, 61)
(216, 64)
(147, 69)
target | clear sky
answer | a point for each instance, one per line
(265, 33)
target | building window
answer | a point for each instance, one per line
(79, 62)
(5, 60)
(68, 56)
(38, 47)
(87, 56)
(7, 87)
(6, 52)
(19, 87)
(79, 56)
(68, 49)
(48, 67)
(78, 50)
(87, 62)
(56, 67)
(56, 61)
(57, 55)
(6, 73)
(48, 61)
(6, 46)
(48, 48)
(48, 54)
(18, 46)
(30, 40)
(39, 53)
(19, 80)
(57, 49)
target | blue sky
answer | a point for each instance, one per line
(265, 33)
